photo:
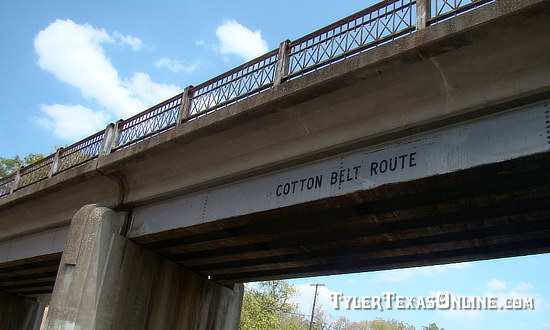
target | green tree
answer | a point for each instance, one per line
(341, 323)
(268, 306)
(321, 320)
(10, 165)
(379, 324)
(432, 326)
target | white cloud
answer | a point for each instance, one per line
(524, 286)
(73, 53)
(401, 275)
(175, 65)
(304, 298)
(237, 39)
(72, 122)
(546, 325)
(129, 40)
(440, 269)
(141, 87)
(497, 285)
(396, 276)
(462, 315)
(523, 290)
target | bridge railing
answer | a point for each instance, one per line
(366, 29)
(239, 83)
(378, 24)
(79, 152)
(444, 9)
(148, 123)
(7, 184)
(35, 172)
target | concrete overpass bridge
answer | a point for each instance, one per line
(411, 133)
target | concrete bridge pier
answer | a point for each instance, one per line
(105, 281)
(18, 312)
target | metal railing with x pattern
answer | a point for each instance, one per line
(148, 123)
(6, 184)
(239, 83)
(444, 9)
(80, 152)
(381, 23)
(378, 24)
(36, 171)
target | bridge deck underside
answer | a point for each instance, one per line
(30, 276)
(491, 211)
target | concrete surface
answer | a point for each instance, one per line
(485, 61)
(106, 281)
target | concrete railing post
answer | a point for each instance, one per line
(55, 162)
(16, 180)
(110, 139)
(185, 106)
(423, 13)
(283, 61)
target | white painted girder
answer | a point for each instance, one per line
(508, 135)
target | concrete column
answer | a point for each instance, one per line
(105, 281)
(16, 181)
(283, 62)
(20, 313)
(423, 13)
(110, 138)
(185, 106)
(55, 164)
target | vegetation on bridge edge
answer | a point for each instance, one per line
(10, 165)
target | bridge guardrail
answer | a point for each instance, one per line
(36, 171)
(79, 152)
(366, 29)
(241, 82)
(378, 24)
(148, 123)
(445, 9)
(6, 184)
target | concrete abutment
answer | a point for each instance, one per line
(106, 281)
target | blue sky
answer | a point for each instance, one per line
(70, 67)
(510, 277)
